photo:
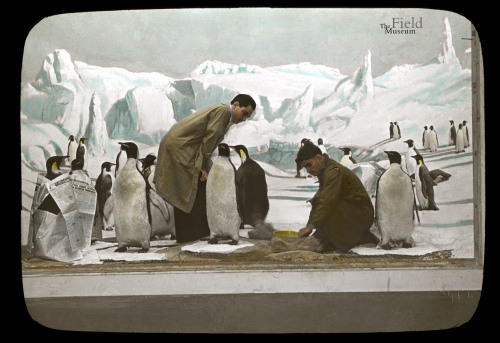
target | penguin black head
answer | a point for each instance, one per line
(147, 161)
(242, 152)
(304, 140)
(464, 122)
(130, 148)
(82, 140)
(71, 138)
(394, 157)
(395, 123)
(459, 126)
(425, 127)
(391, 123)
(432, 127)
(409, 142)
(223, 150)
(418, 158)
(346, 150)
(451, 122)
(107, 166)
(54, 162)
(76, 165)
(320, 141)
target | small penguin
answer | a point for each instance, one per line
(161, 212)
(394, 205)
(72, 146)
(424, 185)
(81, 152)
(433, 139)
(103, 187)
(411, 164)
(425, 138)
(223, 214)
(397, 131)
(466, 134)
(131, 216)
(347, 160)
(52, 164)
(391, 130)
(460, 143)
(321, 146)
(452, 133)
(251, 188)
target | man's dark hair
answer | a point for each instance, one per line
(307, 151)
(244, 100)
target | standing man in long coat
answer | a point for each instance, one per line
(342, 212)
(184, 161)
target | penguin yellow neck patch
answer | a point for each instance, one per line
(54, 165)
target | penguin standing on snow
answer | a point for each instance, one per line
(347, 160)
(52, 164)
(466, 134)
(251, 188)
(131, 216)
(161, 212)
(452, 133)
(72, 146)
(397, 131)
(433, 139)
(321, 146)
(391, 130)
(425, 138)
(81, 152)
(394, 205)
(424, 186)
(103, 187)
(411, 164)
(222, 205)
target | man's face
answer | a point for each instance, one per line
(241, 113)
(313, 165)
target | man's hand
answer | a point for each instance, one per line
(203, 176)
(304, 232)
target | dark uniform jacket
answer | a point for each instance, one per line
(341, 208)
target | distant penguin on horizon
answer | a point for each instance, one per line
(460, 143)
(411, 164)
(81, 152)
(321, 146)
(347, 160)
(433, 139)
(397, 130)
(391, 130)
(252, 189)
(466, 134)
(425, 139)
(52, 165)
(223, 212)
(131, 216)
(394, 205)
(72, 146)
(104, 188)
(452, 134)
(161, 212)
(424, 186)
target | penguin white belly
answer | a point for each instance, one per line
(130, 210)
(394, 207)
(422, 201)
(162, 215)
(411, 164)
(345, 161)
(72, 152)
(222, 211)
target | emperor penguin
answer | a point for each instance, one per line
(223, 214)
(466, 134)
(411, 164)
(251, 186)
(391, 130)
(424, 185)
(81, 152)
(394, 205)
(52, 164)
(460, 143)
(397, 130)
(433, 139)
(104, 187)
(425, 138)
(161, 212)
(347, 160)
(72, 146)
(452, 133)
(131, 216)
(321, 146)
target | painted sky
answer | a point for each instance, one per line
(174, 41)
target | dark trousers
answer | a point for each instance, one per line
(194, 225)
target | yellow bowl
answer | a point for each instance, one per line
(285, 233)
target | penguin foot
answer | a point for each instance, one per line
(407, 245)
(121, 249)
(233, 242)
(143, 250)
(213, 240)
(386, 246)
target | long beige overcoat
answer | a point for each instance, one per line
(185, 150)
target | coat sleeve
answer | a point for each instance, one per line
(326, 198)
(219, 119)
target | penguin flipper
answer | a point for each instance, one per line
(158, 202)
